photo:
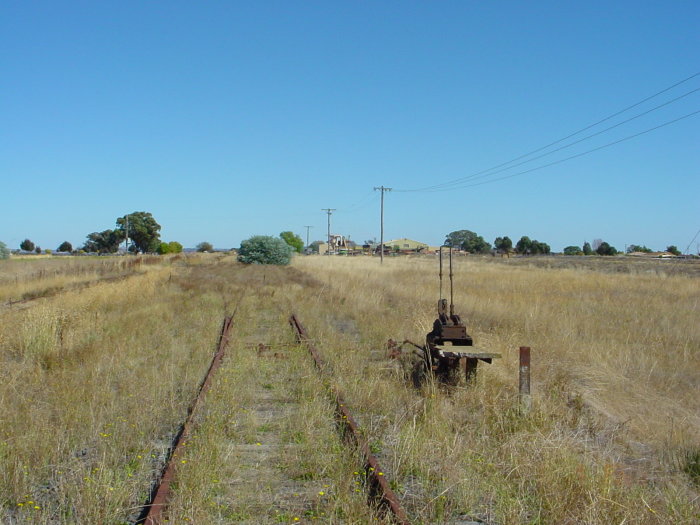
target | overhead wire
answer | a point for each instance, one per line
(687, 249)
(474, 177)
(505, 165)
(624, 139)
(360, 204)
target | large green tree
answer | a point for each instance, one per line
(27, 245)
(468, 241)
(65, 247)
(143, 230)
(524, 245)
(605, 249)
(539, 248)
(503, 244)
(638, 248)
(106, 241)
(573, 250)
(293, 240)
(587, 250)
(673, 249)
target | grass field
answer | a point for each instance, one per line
(98, 369)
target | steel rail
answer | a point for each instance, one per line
(155, 509)
(379, 484)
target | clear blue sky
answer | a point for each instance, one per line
(228, 119)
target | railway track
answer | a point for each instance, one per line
(155, 510)
(377, 485)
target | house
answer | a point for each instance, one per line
(405, 246)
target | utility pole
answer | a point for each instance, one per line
(307, 235)
(381, 239)
(329, 211)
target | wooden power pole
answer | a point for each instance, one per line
(381, 236)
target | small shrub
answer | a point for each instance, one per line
(262, 249)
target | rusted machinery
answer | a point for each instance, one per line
(449, 350)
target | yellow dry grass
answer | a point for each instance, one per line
(95, 381)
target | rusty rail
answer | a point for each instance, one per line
(379, 484)
(155, 510)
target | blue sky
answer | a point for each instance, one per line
(230, 119)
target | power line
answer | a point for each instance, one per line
(687, 250)
(482, 176)
(502, 165)
(570, 157)
(359, 204)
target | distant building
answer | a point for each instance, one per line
(406, 246)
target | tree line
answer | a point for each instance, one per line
(471, 242)
(143, 233)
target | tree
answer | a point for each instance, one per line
(163, 248)
(65, 247)
(539, 248)
(175, 247)
(503, 244)
(263, 249)
(293, 240)
(524, 245)
(573, 250)
(27, 245)
(673, 249)
(467, 241)
(637, 248)
(605, 249)
(587, 248)
(106, 241)
(37, 250)
(143, 230)
(205, 247)
(4, 251)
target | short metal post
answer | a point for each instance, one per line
(524, 390)
(470, 365)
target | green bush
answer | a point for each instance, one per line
(263, 249)
(175, 247)
(4, 251)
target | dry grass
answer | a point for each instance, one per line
(95, 381)
(616, 366)
(93, 384)
(41, 276)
